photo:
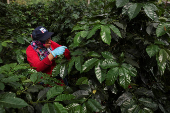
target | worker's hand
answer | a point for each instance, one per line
(58, 51)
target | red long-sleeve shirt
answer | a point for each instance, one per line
(45, 65)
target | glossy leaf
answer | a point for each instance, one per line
(79, 94)
(64, 97)
(125, 99)
(130, 68)
(148, 103)
(93, 54)
(42, 93)
(126, 8)
(89, 64)
(134, 9)
(48, 108)
(120, 3)
(82, 80)
(124, 77)
(107, 63)
(84, 34)
(163, 56)
(72, 107)
(149, 10)
(78, 63)
(54, 91)
(134, 109)
(34, 77)
(112, 75)
(107, 55)
(12, 102)
(10, 79)
(100, 73)
(93, 31)
(161, 29)
(77, 38)
(105, 34)
(161, 65)
(56, 70)
(152, 50)
(71, 64)
(60, 108)
(115, 30)
(63, 71)
(93, 105)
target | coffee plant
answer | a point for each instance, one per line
(119, 62)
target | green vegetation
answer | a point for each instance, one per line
(120, 57)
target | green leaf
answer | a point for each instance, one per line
(120, 3)
(2, 86)
(146, 110)
(64, 97)
(112, 76)
(20, 57)
(134, 109)
(134, 10)
(107, 55)
(56, 70)
(54, 91)
(84, 33)
(59, 108)
(163, 56)
(126, 8)
(130, 68)
(105, 34)
(148, 103)
(82, 80)
(1, 47)
(93, 105)
(124, 77)
(4, 43)
(115, 30)
(93, 31)
(63, 71)
(13, 102)
(10, 79)
(72, 107)
(108, 63)
(77, 39)
(42, 93)
(48, 108)
(33, 77)
(100, 73)
(89, 64)
(161, 66)
(161, 29)
(149, 10)
(71, 64)
(152, 50)
(78, 63)
(93, 54)
(21, 40)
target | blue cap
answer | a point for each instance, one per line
(41, 33)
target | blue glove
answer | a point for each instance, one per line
(58, 51)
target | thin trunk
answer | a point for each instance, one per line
(7, 1)
(88, 2)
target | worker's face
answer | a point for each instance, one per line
(48, 42)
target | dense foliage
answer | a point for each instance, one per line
(120, 57)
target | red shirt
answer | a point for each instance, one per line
(45, 65)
